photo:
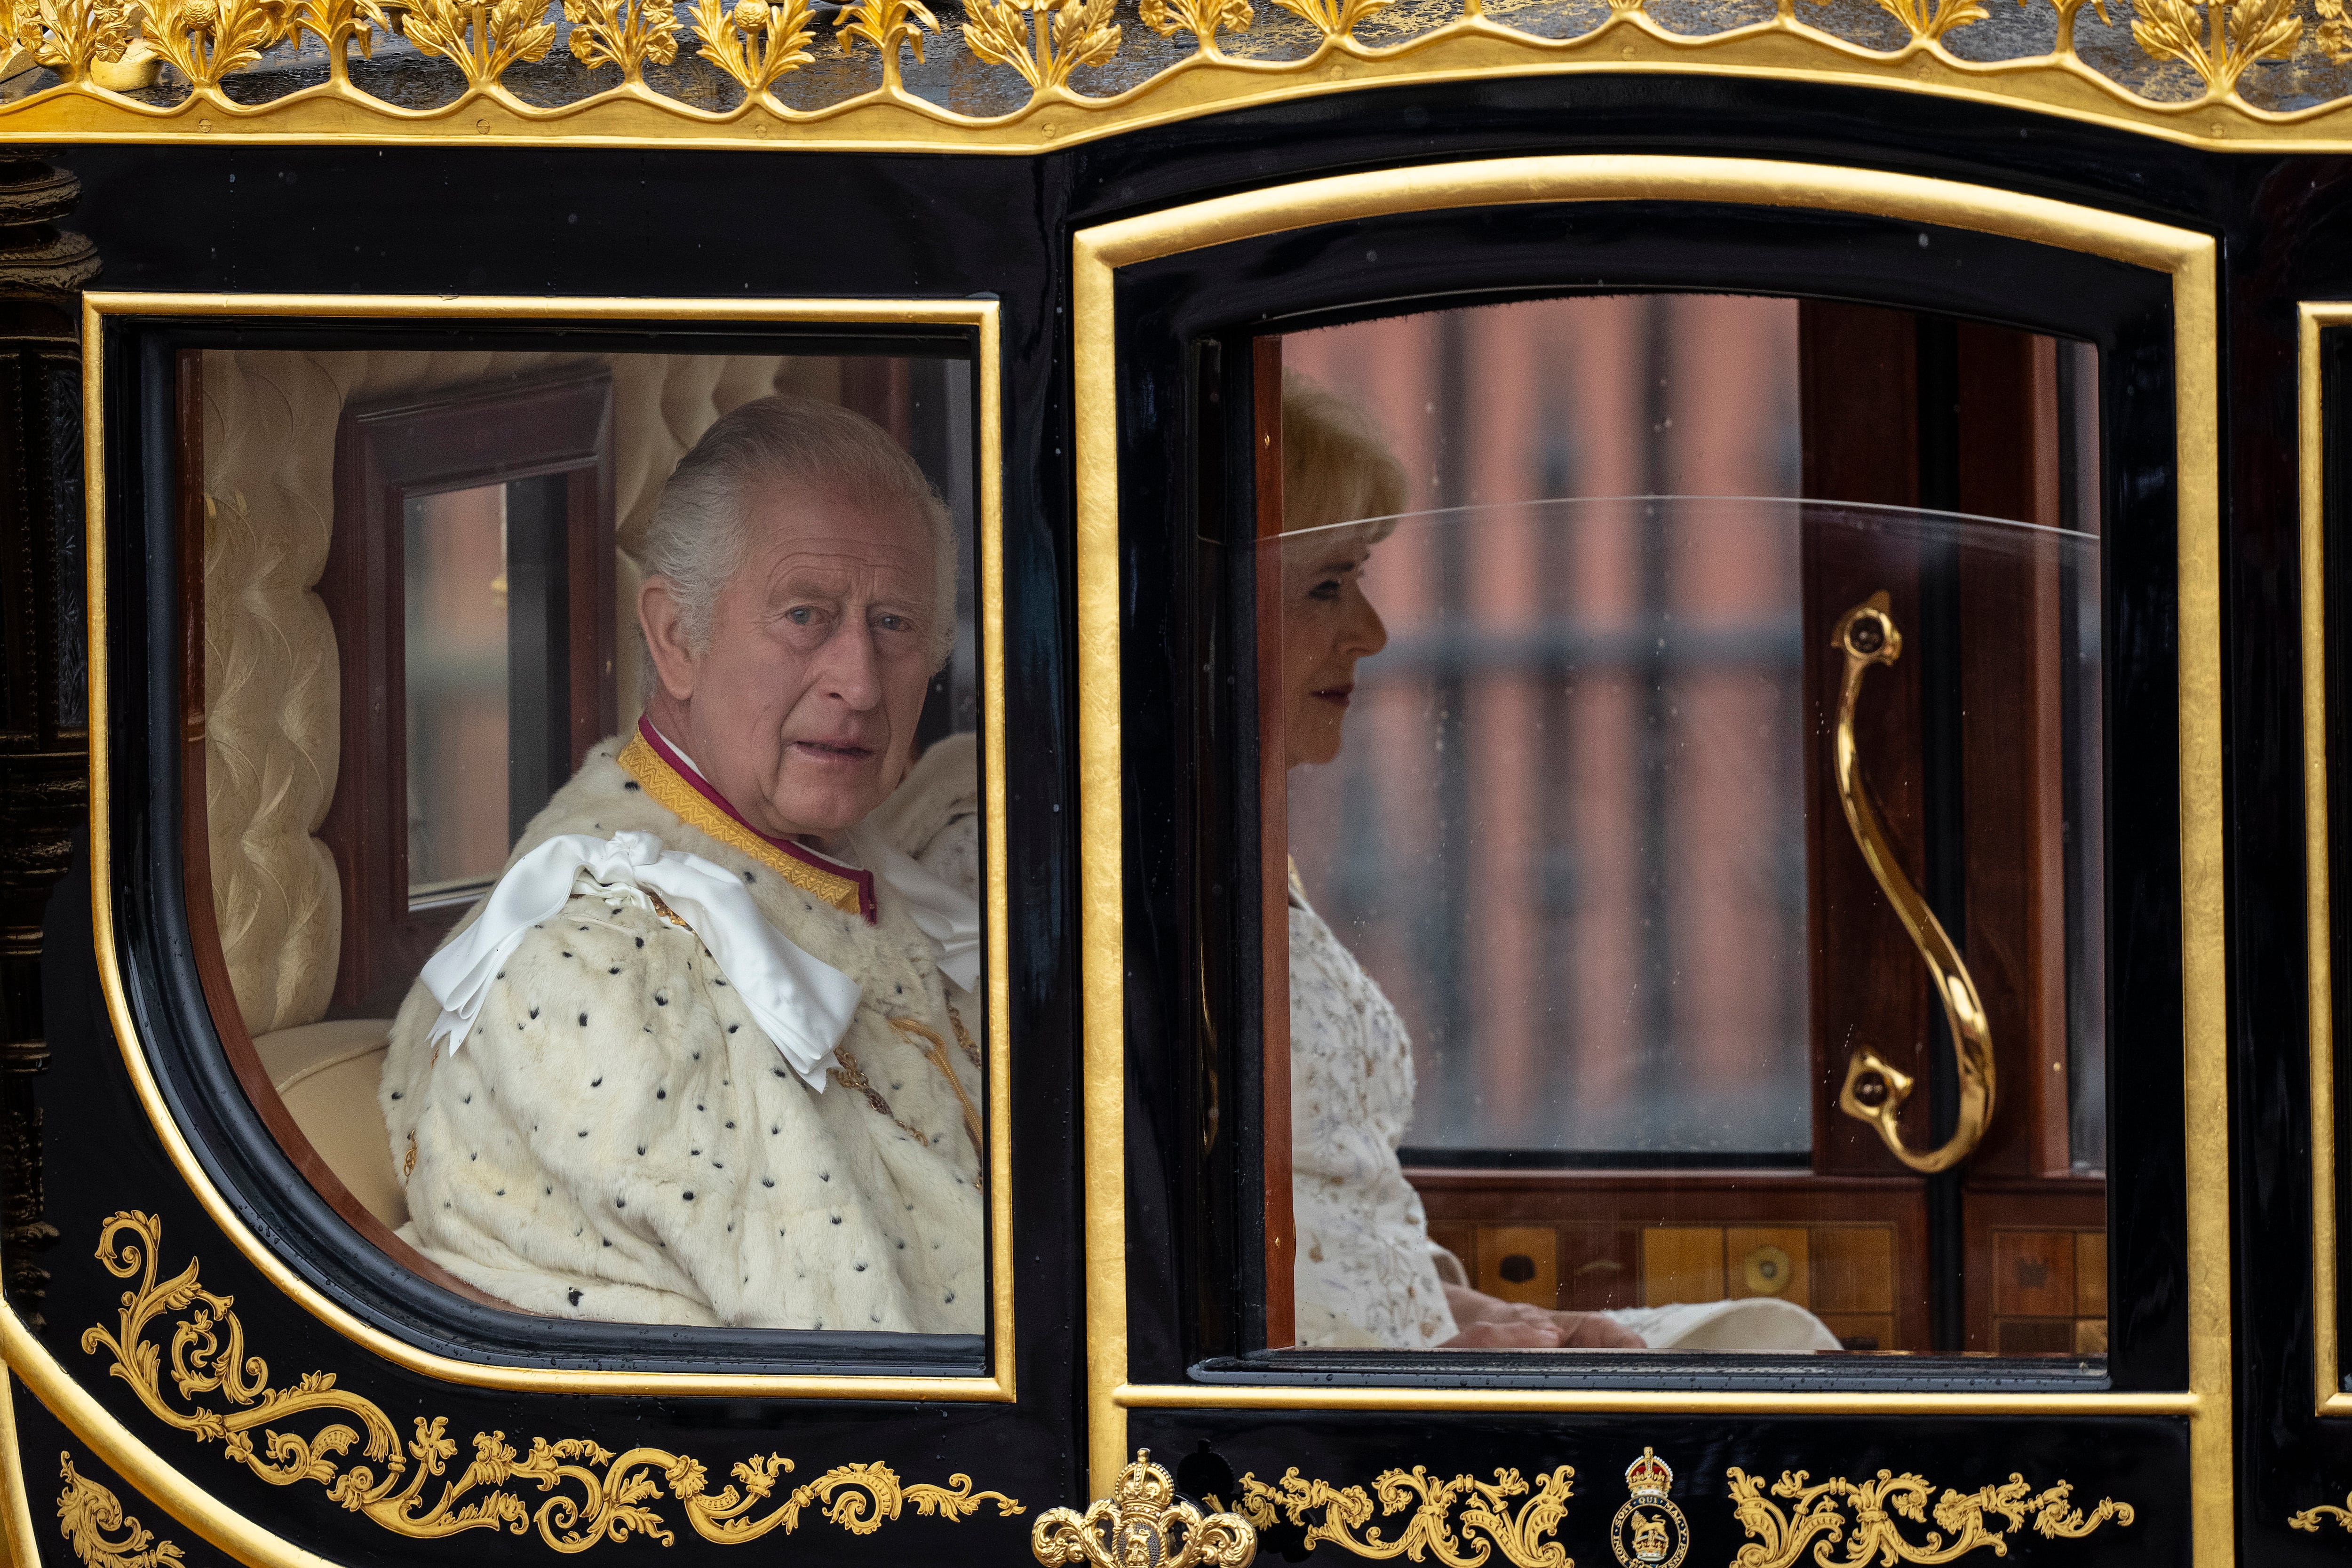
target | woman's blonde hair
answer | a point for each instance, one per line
(1335, 466)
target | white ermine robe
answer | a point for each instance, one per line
(617, 1139)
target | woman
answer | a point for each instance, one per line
(1367, 1275)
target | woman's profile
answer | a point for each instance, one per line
(1367, 1274)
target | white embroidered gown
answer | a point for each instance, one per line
(1365, 1273)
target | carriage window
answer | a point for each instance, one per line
(1687, 832)
(584, 733)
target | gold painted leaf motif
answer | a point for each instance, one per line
(1818, 1512)
(90, 1517)
(352, 1449)
(1456, 1523)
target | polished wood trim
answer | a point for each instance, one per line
(1273, 837)
(196, 865)
(455, 439)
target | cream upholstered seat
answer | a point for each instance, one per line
(327, 1075)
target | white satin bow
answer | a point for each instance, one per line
(801, 1003)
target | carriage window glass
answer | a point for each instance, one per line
(1689, 834)
(641, 688)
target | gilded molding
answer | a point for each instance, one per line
(90, 1517)
(1457, 1522)
(2189, 71)
(178, 1329)
(1818, 1512)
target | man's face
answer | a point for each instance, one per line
(802, 708)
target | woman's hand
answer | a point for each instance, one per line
(1489, 1323)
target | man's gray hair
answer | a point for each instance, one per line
(695, 537)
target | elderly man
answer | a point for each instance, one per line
(698, 1057)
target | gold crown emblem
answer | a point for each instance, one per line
(1649, 1477)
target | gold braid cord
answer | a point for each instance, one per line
(1818, 1518)
(1481, 1510)
(587, 1494)
(91, 1518)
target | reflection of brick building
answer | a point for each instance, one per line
(1566, 833)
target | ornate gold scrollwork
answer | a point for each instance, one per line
(90, 1517)
(592, 1494)
(1486, 1521)
(1877, 1504)
(1874, 1090)
(2309, 1519)
(1045, 40)
(1142, 1524)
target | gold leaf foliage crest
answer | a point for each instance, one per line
(206, 40)
(1334, 18)
(624, 33)
(573, 1492)
(1205, 19)
(1817, 1517)
(70, 36)
(2219, 45)
(481, 38)
(756, 42)
(1457, 1522)
(1045, 40)
(90, 1517)
(885, 25)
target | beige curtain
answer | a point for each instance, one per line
(273, 706)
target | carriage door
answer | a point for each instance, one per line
(1653, 986)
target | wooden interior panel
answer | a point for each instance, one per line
(1767, 1261)
(1520, 1263)
(1681, 1263)
(1863, 1332)
(1852, 1268)
(1600, 1267)
(2091, 1273)
(2033, 1274)
(1858, 376)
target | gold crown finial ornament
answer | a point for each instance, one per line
(1649, 1531)
(1143, 1524)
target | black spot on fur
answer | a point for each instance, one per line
(467, 1100)
(616, 968)
(584, 1133)
(641, 942)
(824, 1175)
(767, 1181)
(499, 1194)
(730, 1124)
(950, 1295)
(583, 1020)
(620, 1203)
(534, 1012)
(749, 877)
(661, 1094)
(502, 974)
(836, 1219)
(595, 1083)
(641, 1148)
(630, 785)
(575, 1294)
(474, 1155)
(567, 953)
(688, 1197)
(660, 1000)
(395, 1094)
(859, 1267)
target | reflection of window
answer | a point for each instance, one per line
(486, 514)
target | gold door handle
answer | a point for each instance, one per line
(1873, 1090)
(1142, 1524)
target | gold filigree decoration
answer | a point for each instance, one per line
(70, 36)
(1045, 40)
(481, 38)
(1480, 1510)
(1817, 1518)
(206, 40)
(90, 1517)
(338, 23)
(1928, 20)
(1336, 18)
(756, 42)
(1205, 19)
(2310, 1518)
(1142, 1524)
(2221, 45)
(591, 1495)
(624, 33)
(885, 25)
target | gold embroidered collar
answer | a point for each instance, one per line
(678, 788)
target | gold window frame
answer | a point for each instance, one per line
(31, 1361)
(2329, 1397)
(2189, 258)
